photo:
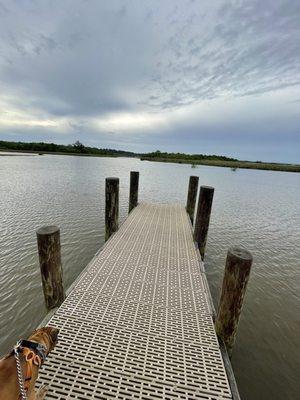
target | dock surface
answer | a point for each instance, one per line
(138, 324)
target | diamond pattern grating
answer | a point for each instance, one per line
(138, 323)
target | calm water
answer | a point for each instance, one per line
(258, 209)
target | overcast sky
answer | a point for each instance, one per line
(197, 76)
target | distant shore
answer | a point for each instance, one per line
(2, 154)
(230, 164)
(178, 158)
(75, 149)
(58, 153)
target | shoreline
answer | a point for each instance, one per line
(59, 153)
(211, 163)
(230, 164)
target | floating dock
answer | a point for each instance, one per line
(138, 322)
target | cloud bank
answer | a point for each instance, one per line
(195, 76)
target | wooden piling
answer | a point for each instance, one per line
(134, 189)
(236, 276)
(203, 216)
(48, 239)
(111, 206)
(191, 198)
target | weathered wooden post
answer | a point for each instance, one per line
(203, 216)
(134, 189)
(236, 276)
(192, 195)
(111, 206)
(48, 239)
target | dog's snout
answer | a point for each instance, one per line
(54, 334)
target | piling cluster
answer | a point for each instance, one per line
(237, 267)
(48, 240)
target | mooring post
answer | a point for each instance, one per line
(111, 206)
(48, 239)
(134, 189)
(203, 216)
(191, 198)
(236, 276)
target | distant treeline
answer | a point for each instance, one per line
(77, 147)
(183, 156)
(217, 161)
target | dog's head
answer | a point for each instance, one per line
(47, 336)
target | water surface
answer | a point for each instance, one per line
(256, 209)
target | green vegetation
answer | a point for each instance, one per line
(193, 159)
(217, 161)
(72, 149)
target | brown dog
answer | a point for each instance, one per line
(31, 357)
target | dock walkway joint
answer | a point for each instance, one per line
(138, 322)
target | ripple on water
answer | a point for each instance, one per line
(263, 217)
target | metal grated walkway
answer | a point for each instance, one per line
(137, 323)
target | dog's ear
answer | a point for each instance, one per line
(47, 336)
(52, 333)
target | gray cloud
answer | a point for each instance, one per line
(79, 63)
